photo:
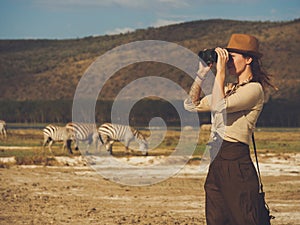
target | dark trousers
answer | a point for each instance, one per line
(232, 187)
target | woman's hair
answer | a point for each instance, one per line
(259, 75)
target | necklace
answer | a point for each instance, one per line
(235, 86)
(247, 80)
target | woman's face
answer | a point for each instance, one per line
(237, 63)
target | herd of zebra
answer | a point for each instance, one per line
(3, 129)
(106, 135)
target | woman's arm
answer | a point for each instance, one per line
(218, 93)
(245, 97)
(196, 86)
(193, 103)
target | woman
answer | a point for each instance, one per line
(231, 185)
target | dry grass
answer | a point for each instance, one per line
(26, 145)
(278, 140)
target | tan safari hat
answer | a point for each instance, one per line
(244, 44)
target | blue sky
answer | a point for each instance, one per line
(64, 19)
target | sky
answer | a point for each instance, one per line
(69, 19)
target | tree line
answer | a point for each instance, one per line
(276, 113)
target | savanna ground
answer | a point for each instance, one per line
(42, 188)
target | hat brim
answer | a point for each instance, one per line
(249, 53)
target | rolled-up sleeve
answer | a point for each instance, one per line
(245, 97)
(202, 106)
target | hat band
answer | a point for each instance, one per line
(244, 52)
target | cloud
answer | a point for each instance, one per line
(176, 3)
(119, 31)
(164, 22)
(273, 11)
(142, 4)
(149, 3)
(158, 23)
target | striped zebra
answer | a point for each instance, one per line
(53, 133)
(83, 132)
(109, 133)
(3, 129)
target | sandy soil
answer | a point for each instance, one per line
(76, 194)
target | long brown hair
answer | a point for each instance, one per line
(259, 75)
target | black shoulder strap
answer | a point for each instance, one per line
(259, 177)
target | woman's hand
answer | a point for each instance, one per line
(203, 70)
(223, 57)
(196, 86)
(218, 89)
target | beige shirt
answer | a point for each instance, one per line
(236, 116)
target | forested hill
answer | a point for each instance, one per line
(50, 69)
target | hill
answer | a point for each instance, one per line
(38, 78)
(51, 69)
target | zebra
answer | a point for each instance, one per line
(3, 129)
(53, 133)
(83, 132)
(109, 133)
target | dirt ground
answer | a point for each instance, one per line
(76, 194)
